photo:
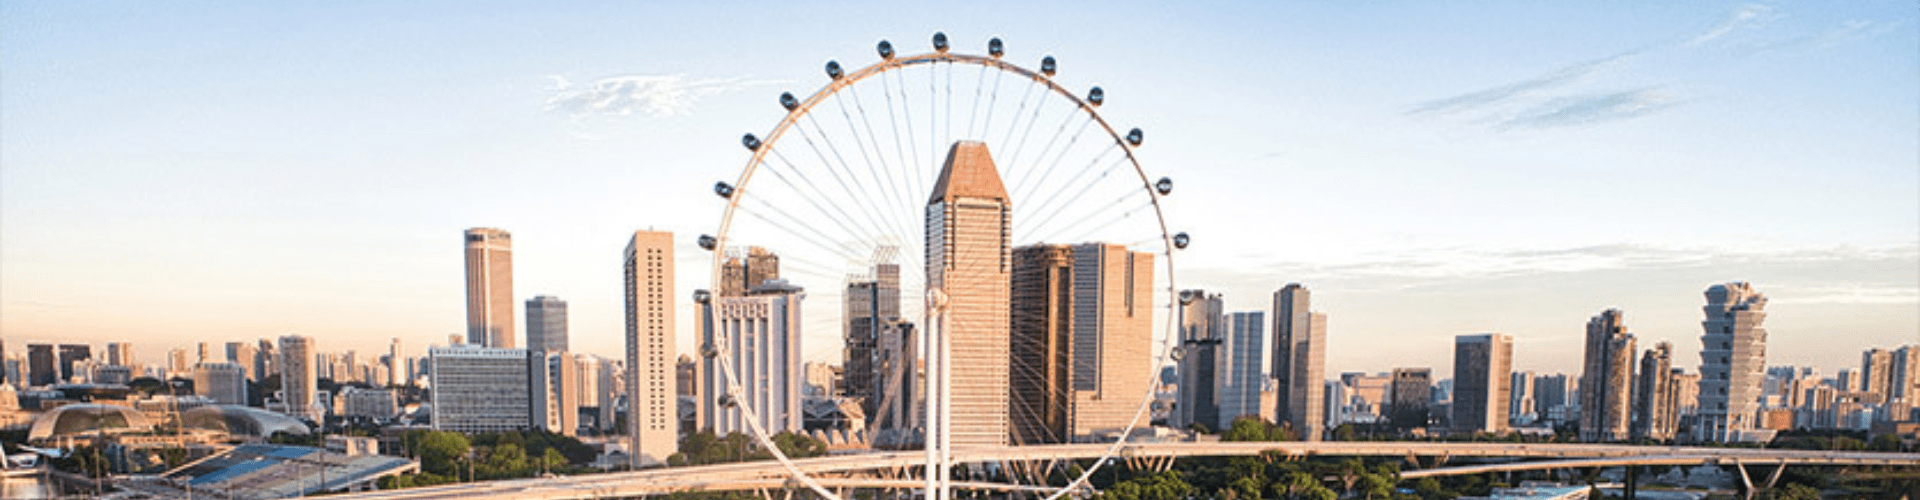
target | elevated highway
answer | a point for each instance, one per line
(891, 470)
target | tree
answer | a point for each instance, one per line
(1254, 429)
(440, 451)
(1162, 486)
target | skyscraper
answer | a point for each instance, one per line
(1733, 358)
(71, 355)
(1876, 373)
(1081, 335)
(1299, 360)
(43, 368)
(223, 382)
(871, 302)
(1202, 329)
(120, 354)
(654, 410)
(489, 287)
(758, 336)
(969, 263)
(1243, 368)
(546, 324)
(1654, 415)
(1482, 368)
(1520, 406)
(299, 381)
(397, 366)
(1409, 397)
(239, 353)
(1607, 381)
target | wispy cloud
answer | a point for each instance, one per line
(1592, 109)
(1746, 15)
(1846, 294)
(649, 95)
(1845, 32)
(1482, 100)
(1462, 263)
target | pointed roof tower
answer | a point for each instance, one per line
(969, 172)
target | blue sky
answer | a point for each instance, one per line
(171, 172)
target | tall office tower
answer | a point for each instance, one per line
(177, 365)
(1299, 360)
(554, 392)
(686, 377)
(870, 303)
(1876, 373)
(969, 262)
(240, 353)
(480, 389)
(898, 364)
(1408, 398)
(205, 354)
(1685, 396)
(546, 324)
(223, 382)
(1733, 354)
(1653, 416)
(1243, 369)
(1607, 379)
(654, 411)
(120, 353)
(1846, 380)
(397, 370)
(1482, 367)
(299, 380)
(1202, 329)
(70, 355)
(1906, 378)
(758, 335)
(606, 394)
(1081, 336)
(1520, 406)
(264, 359)
(43, 367)
(1550, 397)
(489, 287)
(743, 271)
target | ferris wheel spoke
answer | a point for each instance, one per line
(978, 87)
(1073, 184)
(812, 236)
(906, 116)
(818, 194)
(1013, 124)
(1041, 165)
(834, 169)
(895, 194)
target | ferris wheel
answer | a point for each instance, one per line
(1049, 255)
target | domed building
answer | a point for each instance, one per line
(85, 421)
(242, 421)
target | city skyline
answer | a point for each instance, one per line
(1839, 271)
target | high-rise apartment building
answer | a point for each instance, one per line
(299, 380)
(1520, 405)
(1607, 380)
(1654, 417)
(546, 324)
(489, 287)
(396, 365)
(1202, 330)
(1733, 357)
(758, 336)
(555, 392)
(654, 410)
(1550, 398)
(898, 385)
(1482, 367)
(239, 353)
(1409, 398)
(871, 303)
(1299, 361)
(1081, 335)
(223, 382)
(1876, 373)
(969, 263)
(481, 389)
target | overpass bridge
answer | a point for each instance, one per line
(899, 470)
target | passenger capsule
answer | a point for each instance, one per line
(940, 42)
(1048, 66)
(751, 142)
(708, 242)
(788, 101)
(1178, 353)
(833, 70)
(708, 351)
(995, 48)
(1181, 240)
(723, 189)
(1164, 186)
(1186, 297)
(1134, 136)
(726, 400)
(702, 296)
(886, 49)
(1096, 96)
